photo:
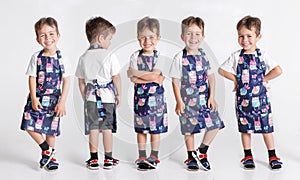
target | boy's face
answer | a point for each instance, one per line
(192, 37)
(247, 39)
(48, 38)
(105, 41)
(148, 40)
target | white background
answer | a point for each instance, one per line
(280, 36)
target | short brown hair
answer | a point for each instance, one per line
(45, 20)
(190, 21)
(150, 23)
(96, 26)
(250, 22)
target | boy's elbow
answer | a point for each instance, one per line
(279, 70)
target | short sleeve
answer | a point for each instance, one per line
(79, 70)
(133, 60)
(175, 69)
(270, 63)
(32, 66)
(68, 70)
(230, 64)
(115, 65)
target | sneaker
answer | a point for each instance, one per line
(46, 157)
(92, 164)
(115, 162)
(275, 163)
(191, 164)
(108, 163)
(248, 162)
(52, 165)
(202, 160)
(152, 162)
(139, 160)
(143, 166)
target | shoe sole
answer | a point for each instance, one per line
(151, 165)
(50, 157)
(92, 168)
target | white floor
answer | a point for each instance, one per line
(19, 157)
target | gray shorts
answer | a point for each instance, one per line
(92, 118)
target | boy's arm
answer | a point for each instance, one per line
(179, 103)
(36, 105)
(145, 75)
(211, 103)
(275, 72)
(229, 76)
(117, 83)
(81, 84)
(60, 108)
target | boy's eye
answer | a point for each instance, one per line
(42, 35)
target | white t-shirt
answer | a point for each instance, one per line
(176, 67)
(98, 64)
(230, 65)
(32, 66)
(160, 62)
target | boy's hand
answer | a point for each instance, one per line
(235, 86)
(179, 108)
(36, 105)
(160, 80)
(60, 109)
(211, 103)
(118, 101)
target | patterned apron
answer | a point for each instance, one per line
(253, 109)
(194, 91)
(94, 89)
(48, 91)
(150, 108)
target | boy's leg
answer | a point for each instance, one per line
(37, 137)
(206, 141)
(92, 163)
(191, 163)
(247, 161)
(273, 159)
(152, 160)
(47, 151)
(52, 165)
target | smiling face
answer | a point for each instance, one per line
(247, 39)
(47, 37)
(148, 40)
(192, 37)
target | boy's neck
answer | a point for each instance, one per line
(50, 52)
(192, 51)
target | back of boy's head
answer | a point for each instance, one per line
(190, 21)
(98, 26)
(45, 21)
(149, 23)
(250, 22)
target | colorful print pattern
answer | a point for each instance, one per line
(195, 92)
(253, 109)
(150, 108)
(48, 91)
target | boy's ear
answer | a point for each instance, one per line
(100, 38)
(182, 37)
(259, 36)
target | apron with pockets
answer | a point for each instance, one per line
(150, 108)
(48, 91)
(194, 92)
(253, 109)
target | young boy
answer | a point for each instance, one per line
(46, 101)
(193, 86)
(150, 107)
(250, 69)
(100, 87)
